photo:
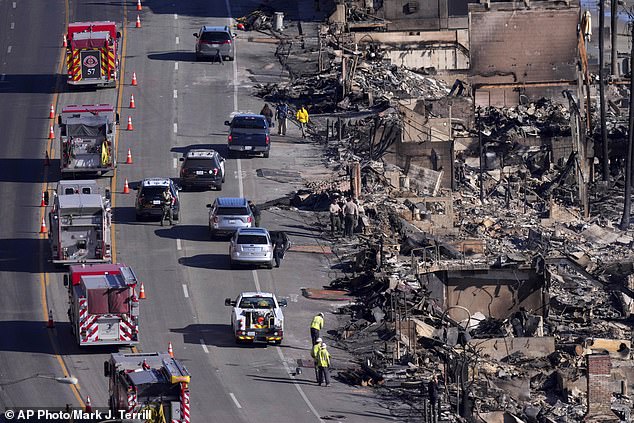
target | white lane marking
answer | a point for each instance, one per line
(235, 101)
(240, 187)
(205, 349)
(177, 40)
(175, 16)
(299, 388)
(235, 400)
(9, 49)
(14, 5)
(175, 162)
(12, 25)
(185, 291)
(175, 93)
(175, 65)
(256, 280)
(175, 127)
(178, 244)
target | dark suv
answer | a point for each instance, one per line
(150, 196)
(248, 134)
(214, 42)
(202, 168)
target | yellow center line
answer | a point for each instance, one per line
(44, 276)
(113, 181)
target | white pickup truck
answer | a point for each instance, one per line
(257, 317)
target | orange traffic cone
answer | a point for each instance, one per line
(128, 160)
(51, 133)
(138, 21)
(51, 323)
(132, 105)
(134, 79)
(88, 404)
(47, 159)
(51, 114)
(142, 292)
(170, 351)
(43, 229)
(65, 42)
(130, 127)
(138, 5)
(42, 203)
(126, 190)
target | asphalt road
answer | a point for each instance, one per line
(180, 104)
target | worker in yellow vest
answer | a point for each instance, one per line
(323, 361)
(316, 325)
(302, 118)
(313, 354)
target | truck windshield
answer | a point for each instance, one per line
(248, 123)
(255, 302)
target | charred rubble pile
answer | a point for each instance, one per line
(507, 294)
(559, 290)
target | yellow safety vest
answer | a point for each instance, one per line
(323, 358)
(302, 115)
(318, 322)
(315, 351)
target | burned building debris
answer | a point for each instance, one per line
(487, 253)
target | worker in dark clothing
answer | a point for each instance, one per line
(281, 114)
(167, 202)
(268, 114)
(281, 244)
(434, 397)
(351, 212)
(256, 213)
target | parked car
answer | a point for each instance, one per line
(228, 214)
(202, 168)
(251, 246)
(248, 133)
(149, 198)
(214, 42)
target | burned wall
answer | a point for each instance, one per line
(538, 55)
(496, 293)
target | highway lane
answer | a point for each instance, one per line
(239, 384)
(28, 67)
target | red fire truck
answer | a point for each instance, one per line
(103, 306)
(92, 53)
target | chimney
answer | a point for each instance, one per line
(599, 388)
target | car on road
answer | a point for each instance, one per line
(149, 198)
(228, 214)
(257, 317)
(202, 168)
(249, 134)
(251, 246)
(214, 42)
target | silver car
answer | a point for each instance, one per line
(251, 246)
(214, 42)
(227, 214)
